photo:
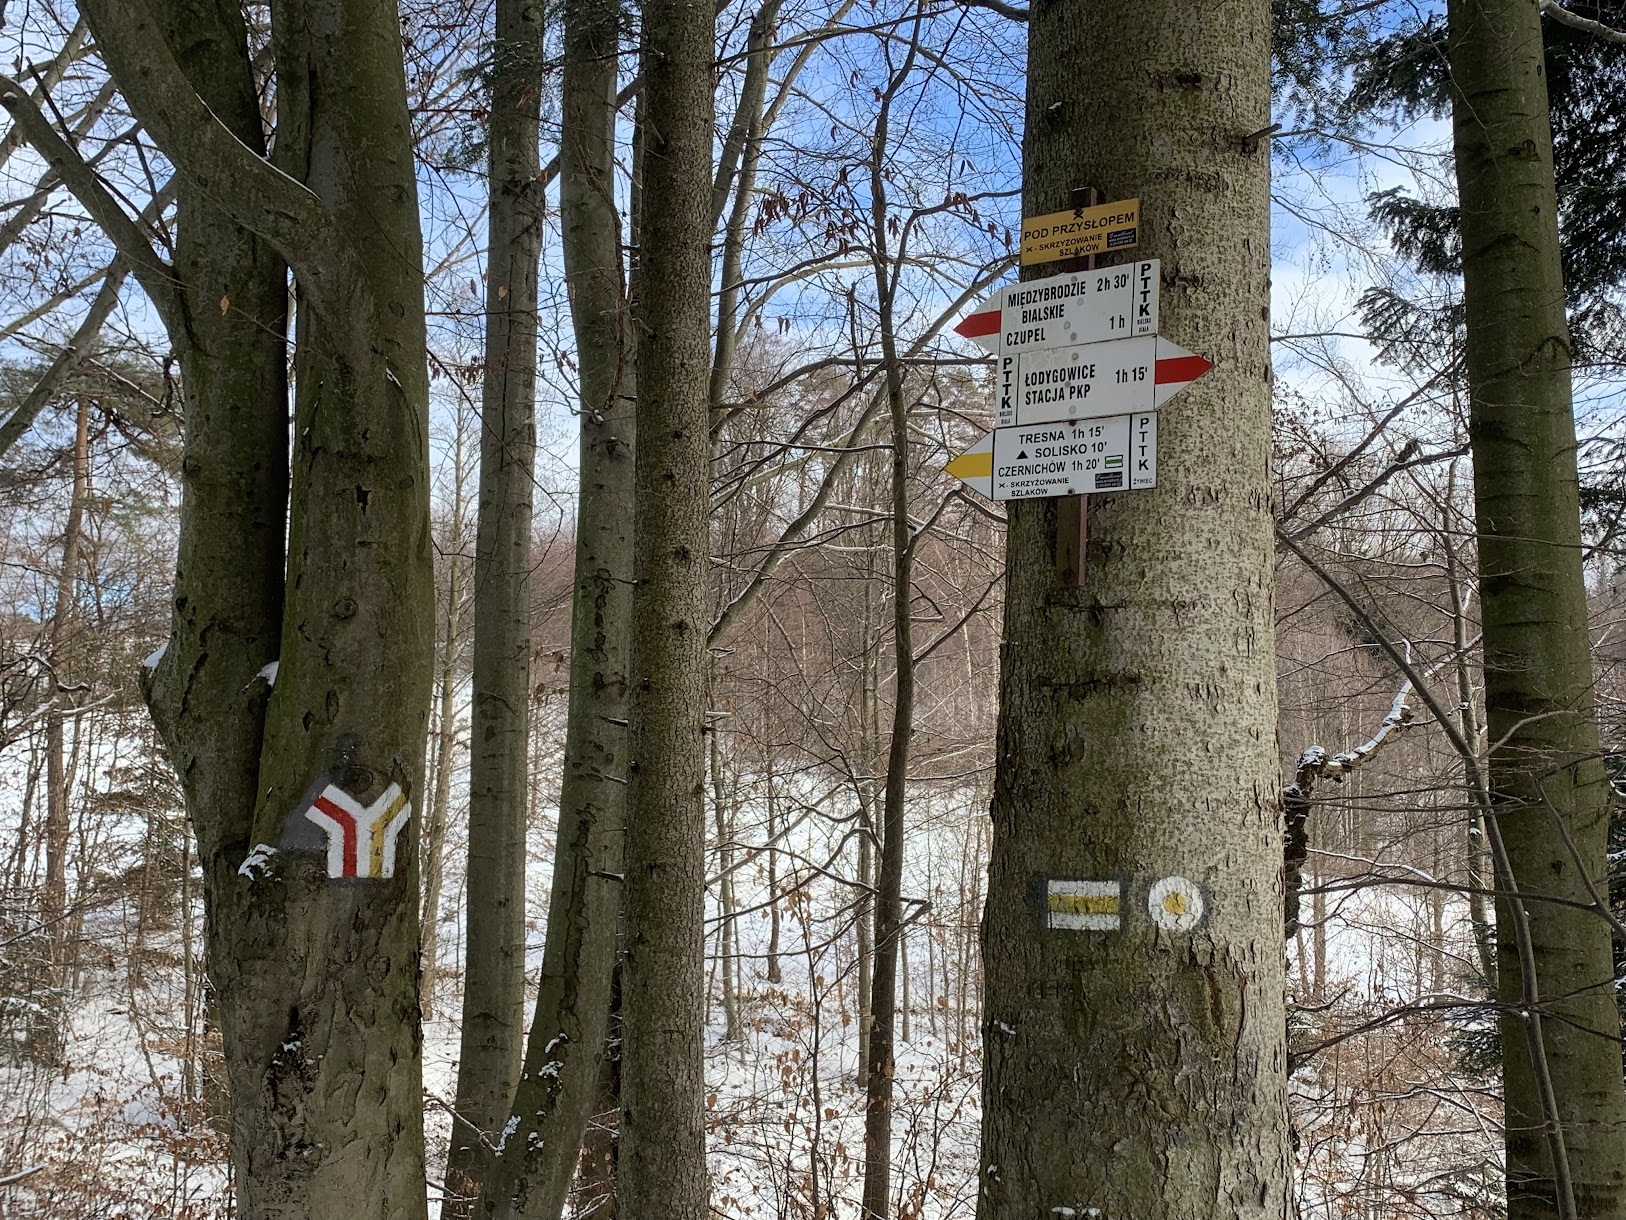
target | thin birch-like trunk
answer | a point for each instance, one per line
(499, 731)
(434, 832)
(877, 1191)
(58, 766)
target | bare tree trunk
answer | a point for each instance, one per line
(727, 941)
(434, 832)
(313, 941)
(744, 148)
(596, 1180)
(1565, 1128)
(58, 777)
(499, 734)
(864, 928)
(663, 1153)
(1481, 874)
(774, 974)
(560, 1082)
(904, 1001)
(1134, 1056)
(877, 1196)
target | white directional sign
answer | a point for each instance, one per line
(1065, 310)
(1116, 453)
(1092, 380)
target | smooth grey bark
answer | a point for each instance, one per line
(316, 977)
(1141, 1070)
(662, 1163)
(559, 1084)
(1565, 1132)
(499, 738)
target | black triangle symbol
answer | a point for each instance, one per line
(1021, 455)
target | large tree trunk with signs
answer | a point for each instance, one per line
(302, 793)
(1566, 1110)
(559, 1086)
(662, 1163)
(499, 739)
(1134, 1050)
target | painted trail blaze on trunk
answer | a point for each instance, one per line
(348, 823)
(1134, 1054)
(321, 563)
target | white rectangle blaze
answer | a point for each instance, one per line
(1084, 906)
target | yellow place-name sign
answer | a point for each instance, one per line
(1081, 231)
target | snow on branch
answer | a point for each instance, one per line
(1597, 29)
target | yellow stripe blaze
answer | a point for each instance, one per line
(375, 848)
(972, 466)
(1084, 904)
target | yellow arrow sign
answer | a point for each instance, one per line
(975, 467)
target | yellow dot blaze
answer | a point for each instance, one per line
(1174, 903)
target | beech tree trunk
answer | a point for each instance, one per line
(662, 1163)
(499, 738)
(559, 1084)
(313, 924)
(1133, 1046)
(1560, 1029)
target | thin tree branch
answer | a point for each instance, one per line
(1010, 11)
(1575, 21)
(237, 179)
(67, 360)
(152, 272)
(1407, 458)
(48, 77)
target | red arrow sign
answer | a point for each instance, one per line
(1176, 372)
(977, 326)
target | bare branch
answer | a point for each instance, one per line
(153, 273)
(67, 360)
(1010, 11)
(236, 179)
(1596, 28)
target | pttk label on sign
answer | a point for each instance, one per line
(1077, 232)
(1005, 391)
(1117, 453)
